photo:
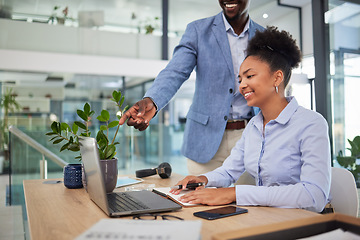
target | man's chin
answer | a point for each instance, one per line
(230, 16)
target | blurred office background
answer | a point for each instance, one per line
(56, 55)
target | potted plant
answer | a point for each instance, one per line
(149, 25)
(69, 136)
(8, 104)
(54, 18)
(352, 163)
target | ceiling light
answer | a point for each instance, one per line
(265, 15)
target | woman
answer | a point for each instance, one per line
(285, 147)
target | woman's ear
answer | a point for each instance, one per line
(279, 78)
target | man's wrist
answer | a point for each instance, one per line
(153, 103)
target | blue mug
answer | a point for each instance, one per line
(73, 176)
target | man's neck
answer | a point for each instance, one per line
(239, 23)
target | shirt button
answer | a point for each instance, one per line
(230, 90)
(225, 118)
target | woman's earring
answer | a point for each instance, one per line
(276, 89)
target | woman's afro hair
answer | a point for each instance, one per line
(272, 43)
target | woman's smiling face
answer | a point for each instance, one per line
(257, 81)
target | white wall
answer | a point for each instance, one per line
(307, 30)
(15, 60)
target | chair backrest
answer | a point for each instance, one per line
(343, 192)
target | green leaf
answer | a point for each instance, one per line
(54, 127)
(357, 140)
(101, 154)
(102, 140)
(113, 124)
(91, 113)
(64, 127)
(65, 146)
(122, 101)
(75, 128)
(74, 147)
(356, 146)
(103, 128)
(87, 109)
(116, 95)
(82, 115)
(102, 144)
(53, 138)
(105, 114)
(111, 156)
(58, 141)
(58, 125)
(346, 162)
(110, 151)
(101, 119)
(50, 133)
(80, 125)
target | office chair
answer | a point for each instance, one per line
(343, 192)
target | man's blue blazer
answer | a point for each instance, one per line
(205, 47)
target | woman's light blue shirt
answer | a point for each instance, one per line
(289, 159)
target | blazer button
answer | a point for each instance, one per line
(225, 118)
(231, 90)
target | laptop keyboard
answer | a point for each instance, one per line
(120, 202)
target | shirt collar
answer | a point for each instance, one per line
(228, 27)
(283, 117)
(288, 111)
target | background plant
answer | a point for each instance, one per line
(59, 13)
(350, 162)
(149, 25)
(9, 105)
(69, 136)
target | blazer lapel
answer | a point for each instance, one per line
(252, 29)
(222, 40)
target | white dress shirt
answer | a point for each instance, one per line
(289, 159)
(238, 44)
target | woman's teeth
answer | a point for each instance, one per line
(247, 94)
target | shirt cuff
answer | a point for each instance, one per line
(250, 195)
(154, 105)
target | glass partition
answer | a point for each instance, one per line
(121, 15)
(344, 34)
(137, 150)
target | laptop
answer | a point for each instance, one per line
(117, 203)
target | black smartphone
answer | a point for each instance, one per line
(220, 212)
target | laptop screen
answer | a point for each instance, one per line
(94, 179)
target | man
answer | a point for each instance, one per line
(215, 47)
